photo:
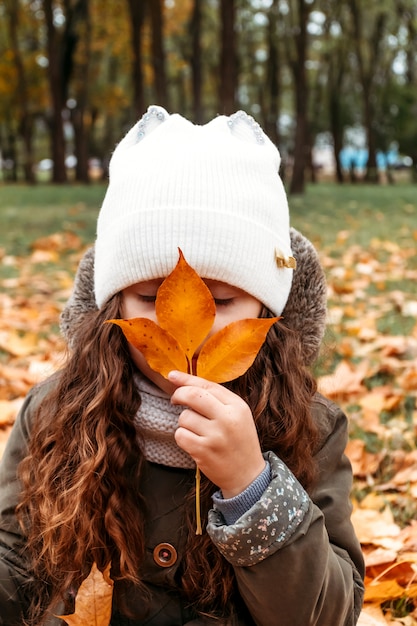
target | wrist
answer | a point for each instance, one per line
(233, 490)
(233, 508)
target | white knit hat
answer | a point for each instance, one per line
(213, 191)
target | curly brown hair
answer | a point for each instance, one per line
(79, 503)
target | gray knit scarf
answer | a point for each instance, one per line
(157, 419)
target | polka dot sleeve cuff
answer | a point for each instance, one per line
(268, 524)
(233, 508)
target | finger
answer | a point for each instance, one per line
(194, 423)
(181, 379)
(197, 436)
(191, 443)
(200, 400)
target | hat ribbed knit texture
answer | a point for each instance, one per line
(213, 191)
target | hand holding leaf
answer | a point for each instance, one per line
(217, 429)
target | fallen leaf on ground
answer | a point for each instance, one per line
(93, 603)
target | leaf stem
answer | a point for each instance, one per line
(199, 530)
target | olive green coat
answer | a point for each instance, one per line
(311, 575)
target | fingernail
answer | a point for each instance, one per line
(174, 375)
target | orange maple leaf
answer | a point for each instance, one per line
(185, 310)
(93, 603)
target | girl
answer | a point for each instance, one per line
(100, 466)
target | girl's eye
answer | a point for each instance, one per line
(144, 298)
(223, 301)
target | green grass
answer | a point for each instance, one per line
(366, 212)
(28, 213)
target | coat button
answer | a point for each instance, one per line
(165, 555)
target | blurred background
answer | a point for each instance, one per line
(333, 82)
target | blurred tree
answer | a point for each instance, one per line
(23, 99)
(8, 104)
(297, 15)
(273, 74)
(338, 98)
(179, 35)
(110, 78)
(68, 32)
(57, 76)
(137, 11)
(400, 94)
(228, 66)
(301, 67)
(405, 106)
(158, 52)
(369, 23)
(81, 35)
(407, 11)
(196, 60)
(336, 103)
(25, 118)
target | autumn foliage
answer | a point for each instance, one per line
(366, 366)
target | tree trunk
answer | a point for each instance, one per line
(371, 167)
(137, 16)
(228, 69)
(82, 36)
(25, 121)
(80, 144)
(297, 185)
(59, 174)
(336, 71)
(196, 65)
(367, 76)
(158, 53)
(337, 134)
(272, 112)
(8, 152)
(109, 135)
(26, 133)
(301, 98)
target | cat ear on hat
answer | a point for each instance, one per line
(245, 127)
(154, 117)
